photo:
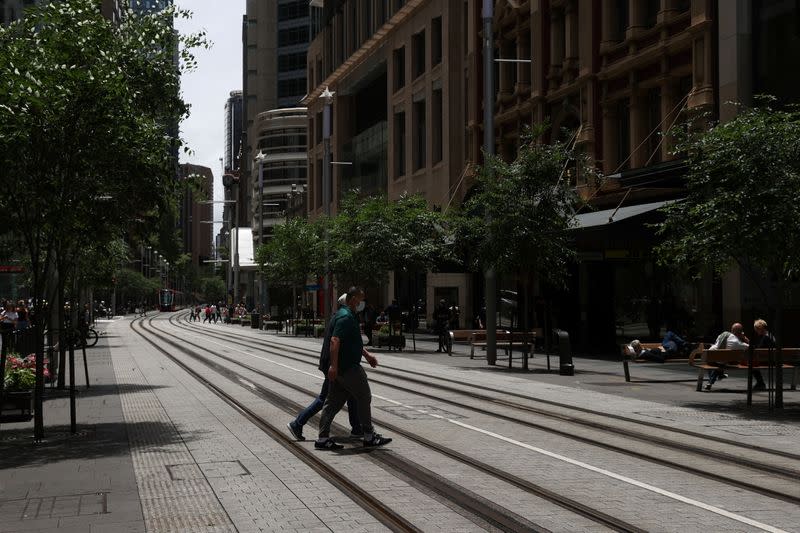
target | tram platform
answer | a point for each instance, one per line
(158, 451)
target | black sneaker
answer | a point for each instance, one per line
(327, 444)
(376, 440)
(296, 431)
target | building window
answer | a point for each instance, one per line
(291, 36)
(399, 62)
(651, 9)
(776, 26)
(436, 112)
(653, 120)
(399, 144)
(436, 41)
(419, 135)
(292, 10)
(291, 87)
(318, 188)
(288, 62)
(623, 114)
(418, 53)
(620, 19)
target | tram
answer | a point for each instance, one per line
(170, 300)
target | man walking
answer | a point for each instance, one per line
(347, 377)
(296, 425)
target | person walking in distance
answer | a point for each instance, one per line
(296, 425)
(347, 377)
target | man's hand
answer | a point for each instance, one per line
(371, 359)
(332, 373)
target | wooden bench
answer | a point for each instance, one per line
(272, 324)
(505, 339)
(628, 356)
(706, 360)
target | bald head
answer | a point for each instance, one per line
(737, 328)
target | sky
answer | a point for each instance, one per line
(219, 72)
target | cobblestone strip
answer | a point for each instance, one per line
(170, 502)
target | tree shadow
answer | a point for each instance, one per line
(92, 441)
(758, 411)
(103, 389)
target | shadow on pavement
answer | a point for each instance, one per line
(17, 448)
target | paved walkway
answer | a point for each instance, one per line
(156, 452)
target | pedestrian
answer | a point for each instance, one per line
(296, 425)
(8, 317)
(369, 321)
(219, 312)
(214, 313)
(207, 314)
(347, 377)
(23, 316)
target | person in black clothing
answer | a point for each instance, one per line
(442, 318)
(369, 321)
(761, 339)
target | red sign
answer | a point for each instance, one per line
(11, 269)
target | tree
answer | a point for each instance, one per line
(372, 236)
(518, 218)
(742, 204)
(293, 254)
(85, 110)
(213, 289)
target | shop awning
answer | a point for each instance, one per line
(609, 216)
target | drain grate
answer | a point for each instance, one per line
(55, 506)
(418, 412)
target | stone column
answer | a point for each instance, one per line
(638, 106)
(610, 162)
(556, 46)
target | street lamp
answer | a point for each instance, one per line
(262, 279)
(487, 14)
(327, 96)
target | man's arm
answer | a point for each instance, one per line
(371, 359)
(333, 369)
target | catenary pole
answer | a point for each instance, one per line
(488, 148)
(327, 95)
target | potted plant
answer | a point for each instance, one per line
(18, 383)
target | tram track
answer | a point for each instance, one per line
(499, 517)
(712, 457)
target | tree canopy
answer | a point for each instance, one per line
(518, 217)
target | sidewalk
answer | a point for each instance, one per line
(72, 483)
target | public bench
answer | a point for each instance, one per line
(460, 335)
(628, 356)
(272, 324)
(507, 340)
(706, 360)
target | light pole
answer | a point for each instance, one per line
(262, 279)
(231, 182)
(327, 95)
(488, 148)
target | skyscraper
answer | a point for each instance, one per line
(233, 131)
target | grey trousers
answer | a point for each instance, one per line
(352, 382)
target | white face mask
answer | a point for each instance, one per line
(360, 306)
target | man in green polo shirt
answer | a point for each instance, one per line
(347, 377)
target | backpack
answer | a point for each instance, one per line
(325, 353)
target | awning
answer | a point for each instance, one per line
(609, 216)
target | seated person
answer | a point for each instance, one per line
(382, 318)
(762, 339)
(636, 351)
(734, 339)
(674, 346)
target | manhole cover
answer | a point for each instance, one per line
(55, 506)
(418, 412)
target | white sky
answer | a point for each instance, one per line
(219, 72)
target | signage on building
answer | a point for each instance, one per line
(12, 269)
(315, 287)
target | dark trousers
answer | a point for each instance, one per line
(352, 382)
(368, 332)
(316, 406)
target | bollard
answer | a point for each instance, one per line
(565, 366)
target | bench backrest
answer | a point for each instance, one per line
(761, 355)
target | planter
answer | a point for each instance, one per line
(17, 405)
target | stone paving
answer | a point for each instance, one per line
(157, 452)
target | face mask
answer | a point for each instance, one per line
(360, 306)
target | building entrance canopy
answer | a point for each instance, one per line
(609, 216)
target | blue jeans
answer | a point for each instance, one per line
(316, 406)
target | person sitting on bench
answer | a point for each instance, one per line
(761, 339)
(656, 355)
(735, 339)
